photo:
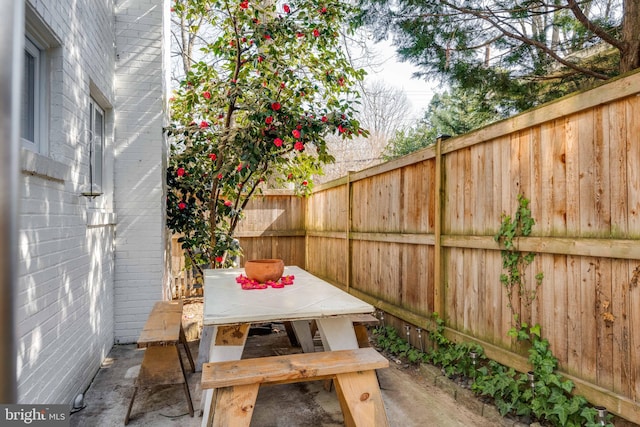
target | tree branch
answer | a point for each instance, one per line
(494, 21)
(595, 29)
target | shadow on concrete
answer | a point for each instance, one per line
(410, 394)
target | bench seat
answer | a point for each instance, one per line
(236, 384)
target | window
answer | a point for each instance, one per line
(32, 115)
(96, 146)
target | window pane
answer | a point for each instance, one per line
(27, 115)
(98, 146)
(96, 130)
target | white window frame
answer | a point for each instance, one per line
(39, 144)
(96, 146)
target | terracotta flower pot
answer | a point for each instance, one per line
(264, 270)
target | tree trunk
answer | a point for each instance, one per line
(630, 55)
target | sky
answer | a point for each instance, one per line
(399, 75)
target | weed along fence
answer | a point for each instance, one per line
(416, 236)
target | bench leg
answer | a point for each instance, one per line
(183, 340)
(126, 417)
(233, 406)
(361, 400)
(362, 335)
(186, 383)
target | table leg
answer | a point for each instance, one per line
(203, 348)
(302, 330)
(228, 344)
(337, 333)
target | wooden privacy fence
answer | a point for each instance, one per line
(415, 236)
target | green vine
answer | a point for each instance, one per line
(549, 400)
(514, 261)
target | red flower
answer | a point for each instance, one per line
(296, 133)
(213, 156)
(290, 176)
(239, 168)
(267, 36)
(277, 142)
(219, 176)
(286, 8)
(269, 120)
(324, 119)
(305, 183)
(206, 94)
(299, 35)
(204, 125)
(298, 146)
(228, 203)
(180, 172)
(316, 33)
(182, 205)
(218, 259)
(282, 85)
(323, 10)
(244, 4)
(341, 129)
(275, 106)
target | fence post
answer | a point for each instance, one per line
(348, 231)
(438, 285)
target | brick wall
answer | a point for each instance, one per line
(139, 176)
(70, 284)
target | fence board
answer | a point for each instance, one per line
(604, 330)
(633, 160)
(634, 332)
(620, 311)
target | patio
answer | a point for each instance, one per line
(413, 396)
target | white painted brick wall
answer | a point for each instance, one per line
(69, 282)
(139, 168)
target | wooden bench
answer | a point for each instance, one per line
(236, 384)
(162, 362)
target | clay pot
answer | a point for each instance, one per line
(264, 270)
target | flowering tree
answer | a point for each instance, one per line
(274, 83)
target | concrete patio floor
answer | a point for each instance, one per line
(413, 396)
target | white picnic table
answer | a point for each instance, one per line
(230, 310)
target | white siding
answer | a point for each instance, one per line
(69, 281)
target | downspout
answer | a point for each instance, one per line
(12, 30)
